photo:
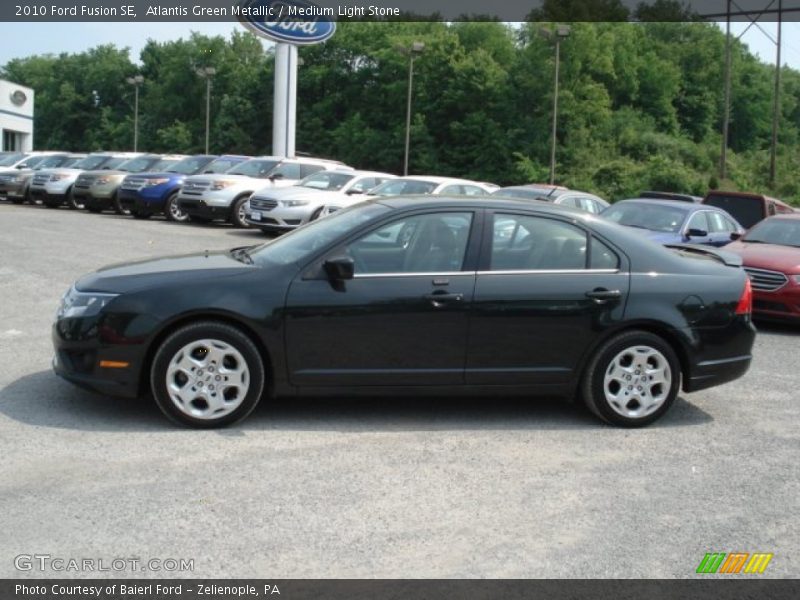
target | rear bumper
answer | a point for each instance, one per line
(716, 372)
(199, 208)
(720, 354)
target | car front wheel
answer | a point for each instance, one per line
(632, 379)
(173, 212)
(238, 212)
(207, 374)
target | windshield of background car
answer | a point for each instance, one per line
(747, 211)
(92, 162)
(646, 215)
(520, 193)
(136, 165)
(51, 162)
(396, 187)
(114, 163)
(301, 243)
(31, 162)
(784, 232)
(326, 180)
(222, 165)
(254, 168)
(11, 159)
(164, 165)
(189, 166)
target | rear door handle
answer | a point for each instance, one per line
(602, 295)
(442, 298)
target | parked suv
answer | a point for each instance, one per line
(284, 209)
(748, 209)
(222, 197)
(97, 190)
(146, 194)
(53, 187)
(15, 184)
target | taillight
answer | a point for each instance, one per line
(745, 306)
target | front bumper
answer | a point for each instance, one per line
(136, 200)
(195, 207)
(783, 304)
(94, 199)
(277, 220)
(50, 199)
(12, 190)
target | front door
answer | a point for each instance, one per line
(402, 320)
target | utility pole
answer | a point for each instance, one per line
(776, 106)
(561, 33)
(135, 81)
(723, 159)
(207, 73)
(414, 49)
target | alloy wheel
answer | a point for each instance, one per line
(637, 381)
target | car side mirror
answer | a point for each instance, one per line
(354, 192)
(340, 268)
(736, 236)
(275, 176)
(696, 233)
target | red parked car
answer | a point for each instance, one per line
(770, 252)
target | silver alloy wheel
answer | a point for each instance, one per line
(175, 211)
(242, 215)
(207, 379)
(637, 381)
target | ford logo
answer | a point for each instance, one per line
(291, 21)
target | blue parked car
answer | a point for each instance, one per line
(147, 194)
(675, 221)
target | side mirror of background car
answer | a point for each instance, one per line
(340, 268)
(353, 192)
(275, 176)
(735, 236)
(690, 233)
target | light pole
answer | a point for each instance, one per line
(413, 50)
(207, 73)
(561, 33)
(135, 81)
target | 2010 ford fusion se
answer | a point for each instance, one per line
(415, 295)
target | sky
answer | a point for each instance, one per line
(25, 39)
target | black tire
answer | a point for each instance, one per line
(137, 214)
(202, 330)
(237, 212)
(593, 389)
(94, 209)
(198, 219)
(173, 211)
(72, 203)
(48, 204)
(117, 206)
(17, 200)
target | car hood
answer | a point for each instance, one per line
(16, 171)
(223, 177)
(149, 175)
(767, 256)
(62, 171)
(101, 172)
(296, 193)
(132, 276)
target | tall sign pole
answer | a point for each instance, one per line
(279, 21)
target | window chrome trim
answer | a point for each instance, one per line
(429, 274)
(551, 272)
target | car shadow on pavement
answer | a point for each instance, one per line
(43, 400)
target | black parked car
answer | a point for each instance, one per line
(415, 295)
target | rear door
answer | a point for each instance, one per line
(545, 290)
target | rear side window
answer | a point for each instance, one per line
(602, 257)
(529, 243)
(746, 210)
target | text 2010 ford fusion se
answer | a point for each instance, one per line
(415, 295)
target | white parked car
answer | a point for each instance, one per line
(415, 184)
(223, 196)
(284, 209)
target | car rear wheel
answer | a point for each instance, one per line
(118, 208)
(632, 379)
(238, 212)
(172, 211)
(72, 202)
(207, 374)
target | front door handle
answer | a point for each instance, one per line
(439, 299)
(602, 295)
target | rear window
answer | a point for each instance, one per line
(746, 210)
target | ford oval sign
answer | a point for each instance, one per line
(289, 21)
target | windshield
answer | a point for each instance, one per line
(31, 162)
(189, 166)
(51, 162)
(747, 211)
(304, 241)
(254, 168)
(136, 165)
(114, 163)
(784, 232)
(90, 163)
(646, 215)
(11, 159)
(326, 180)
(165, 164)
(222, 165)
(396, 187)
(521, 193)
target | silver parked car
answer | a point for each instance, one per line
(283, 209)
(555, 194)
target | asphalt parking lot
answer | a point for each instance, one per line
(414, 488)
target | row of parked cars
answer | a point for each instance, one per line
(278, 194)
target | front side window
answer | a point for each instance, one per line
(326, 180)
(717, 223)
(473, 190)
(260, 169)
(527, 243)
(288, 171)
(698, 221)
(430, 243)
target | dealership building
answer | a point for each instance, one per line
(16, 117)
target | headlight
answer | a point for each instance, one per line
(82, 304)
(152, 182)
(102, 181)
(294, 202)
(19, 179)
(221, 185)
(59, 177)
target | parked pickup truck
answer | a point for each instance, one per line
(222, 197)
(156, 192)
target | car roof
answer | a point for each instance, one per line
(437, 179)
(791, 216)
(743, 195)
(493, 202)
(686, 206)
